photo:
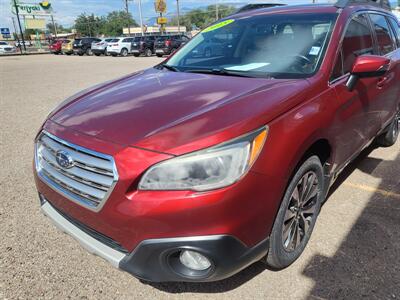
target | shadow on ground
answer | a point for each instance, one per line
(367, 263)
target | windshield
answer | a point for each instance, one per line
(283, 45)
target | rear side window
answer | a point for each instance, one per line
(396, 29)
(128, 40)
(357, 41)
(383, 34)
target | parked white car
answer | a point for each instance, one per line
(120, 46)
(99, 48)
(7, 48)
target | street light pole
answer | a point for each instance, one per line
(54, 26)
(19, 25)
(16, 34)
(141, 17)
(179, 25)
(216, 10)
(127, 12)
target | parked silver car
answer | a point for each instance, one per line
(99, 48)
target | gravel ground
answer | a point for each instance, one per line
(354, 252)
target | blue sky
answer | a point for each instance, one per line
(67, 10)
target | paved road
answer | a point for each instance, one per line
(354, 252)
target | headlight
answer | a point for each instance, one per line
(208, 169)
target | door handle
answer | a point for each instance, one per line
(382, 82)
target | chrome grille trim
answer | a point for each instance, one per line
(88, 183)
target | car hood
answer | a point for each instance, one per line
(162, 110)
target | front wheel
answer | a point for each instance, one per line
(389, 137)
(159, 55)
(297, 214)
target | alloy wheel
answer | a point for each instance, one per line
(301, 211)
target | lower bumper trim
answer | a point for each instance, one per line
(154, 260)
(89, 243)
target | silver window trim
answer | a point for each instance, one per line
(64, 192)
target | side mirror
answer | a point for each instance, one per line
(367, 66)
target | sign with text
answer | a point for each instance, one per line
(29, 9)
(162, 20)
(160, 6)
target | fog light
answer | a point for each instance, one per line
(194, 260)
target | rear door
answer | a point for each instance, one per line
(358, 116)
(389, 84)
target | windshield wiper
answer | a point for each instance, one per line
(222, 72)
(168, 67)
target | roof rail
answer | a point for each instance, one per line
(385, 4)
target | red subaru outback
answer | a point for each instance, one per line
(198, 167)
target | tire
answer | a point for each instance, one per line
(148, 52)
(89, 52)
(159, 55)
(390, 136)
(296, 218)
(105, 52)
(124, 52)
(97, 54)
(136, 55)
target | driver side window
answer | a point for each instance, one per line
(357, 41)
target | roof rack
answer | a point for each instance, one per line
(385, 4)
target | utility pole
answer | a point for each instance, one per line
(127, 12)
(216, 10)
(177, 8)
(16, 34)
(19, 25)
(141, 17)
(54, 26)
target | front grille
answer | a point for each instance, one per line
(93, 233)
(88, 179)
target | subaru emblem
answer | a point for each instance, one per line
(64, 159)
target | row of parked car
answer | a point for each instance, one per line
(123, 46)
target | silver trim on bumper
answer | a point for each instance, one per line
(89, 243)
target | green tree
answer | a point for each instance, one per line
(60, 28)
(116, 21)
(89, 25)
(201, 18)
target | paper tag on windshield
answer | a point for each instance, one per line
(314, 51)
(247, 67)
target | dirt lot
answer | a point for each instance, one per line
(354, 252)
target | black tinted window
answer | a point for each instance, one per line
(383, 34)
(357, 41)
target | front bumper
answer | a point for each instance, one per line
(155, 259)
